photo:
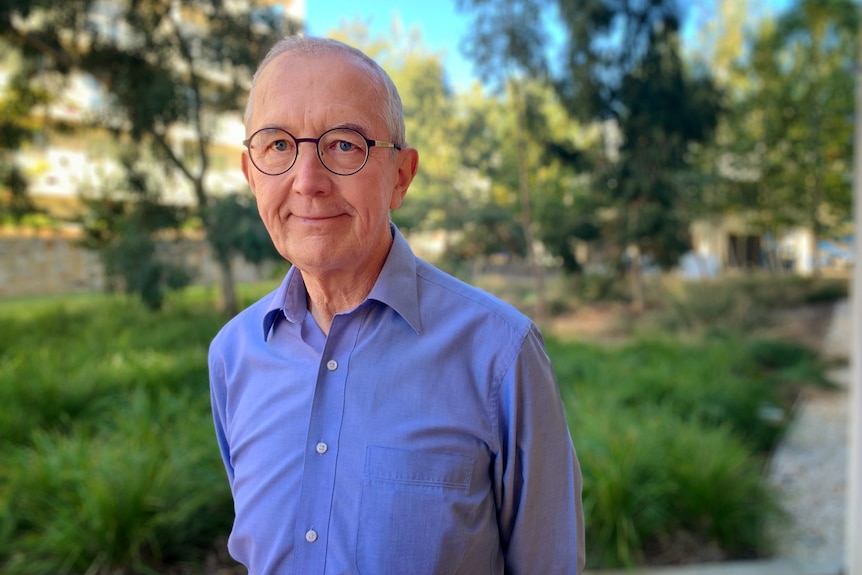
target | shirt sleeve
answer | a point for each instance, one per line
(537, 475)
(218, 398)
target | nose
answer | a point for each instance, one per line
(310, 176)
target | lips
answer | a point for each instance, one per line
(315, 218)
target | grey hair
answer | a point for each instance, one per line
(392, 113)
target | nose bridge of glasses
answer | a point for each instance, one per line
(315, 142)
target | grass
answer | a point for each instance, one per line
(110, 464)
(107, 437)
(672, 440)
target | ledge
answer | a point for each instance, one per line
(768, 567)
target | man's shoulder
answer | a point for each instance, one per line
(459, 295)
(248, 322)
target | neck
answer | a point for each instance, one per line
(344, 285)
(324, 302)
(331, 293)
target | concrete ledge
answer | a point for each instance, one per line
(836, 346)
(770, 567)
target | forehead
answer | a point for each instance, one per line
(302, 91)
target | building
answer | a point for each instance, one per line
(65, 165)
(61, 165)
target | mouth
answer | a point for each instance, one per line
(315, 218)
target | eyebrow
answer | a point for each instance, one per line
(364, 130)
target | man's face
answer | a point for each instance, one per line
(327, 225)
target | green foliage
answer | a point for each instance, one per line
(622, 69)
(662, 109)
(237, 229)
(507, 39)
(127, 234)
(672, 435)
(160, 66)
(788, 140)
(710, 306)
(738, 304)
(110, 467)
(143, 492)
(651, 478)
(566, 213)
(430, 119)
(17, 99)
(599, 287)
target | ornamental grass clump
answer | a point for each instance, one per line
(673, 441)
(110, 462)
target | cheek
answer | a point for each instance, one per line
(383, 199)
(267, 209)
(266, 196)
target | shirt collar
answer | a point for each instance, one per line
(395, 287)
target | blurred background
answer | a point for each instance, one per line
(665, 187)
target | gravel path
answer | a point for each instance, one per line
(810, 467)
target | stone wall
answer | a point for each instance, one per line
(50, 262)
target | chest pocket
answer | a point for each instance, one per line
(413, 512)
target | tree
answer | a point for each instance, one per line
(621, 70)
(16, 103)
(488, 221)
(624, 68)
(793, 127)
(167, 67)
(447, 190)
(239, 231)
(507, 46)
(566, 202)
(470, 144)
(558, 189)
(430, 118)
(720, 39)
(130, 230)
(124, 231)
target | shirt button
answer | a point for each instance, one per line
(331, 365)
(311, 535)
(321, 448)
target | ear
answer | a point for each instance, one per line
(248, 172)
(407, 164)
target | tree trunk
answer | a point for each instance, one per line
(540, 312)
(636, 281)
(230, 302)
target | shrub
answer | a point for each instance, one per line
(738, 303)
(672, 438)
(144, 490)
(650, 476)
(110, 464)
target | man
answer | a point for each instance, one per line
(376, 415)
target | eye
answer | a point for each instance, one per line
(342, 141)
(281, 145)
(345, 146)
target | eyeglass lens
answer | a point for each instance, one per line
(342, 150)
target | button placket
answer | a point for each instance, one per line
(314, 512)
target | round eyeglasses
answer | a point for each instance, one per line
(342, 151)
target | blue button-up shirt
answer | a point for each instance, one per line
(424, 435)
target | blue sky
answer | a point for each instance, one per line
(440, 22)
